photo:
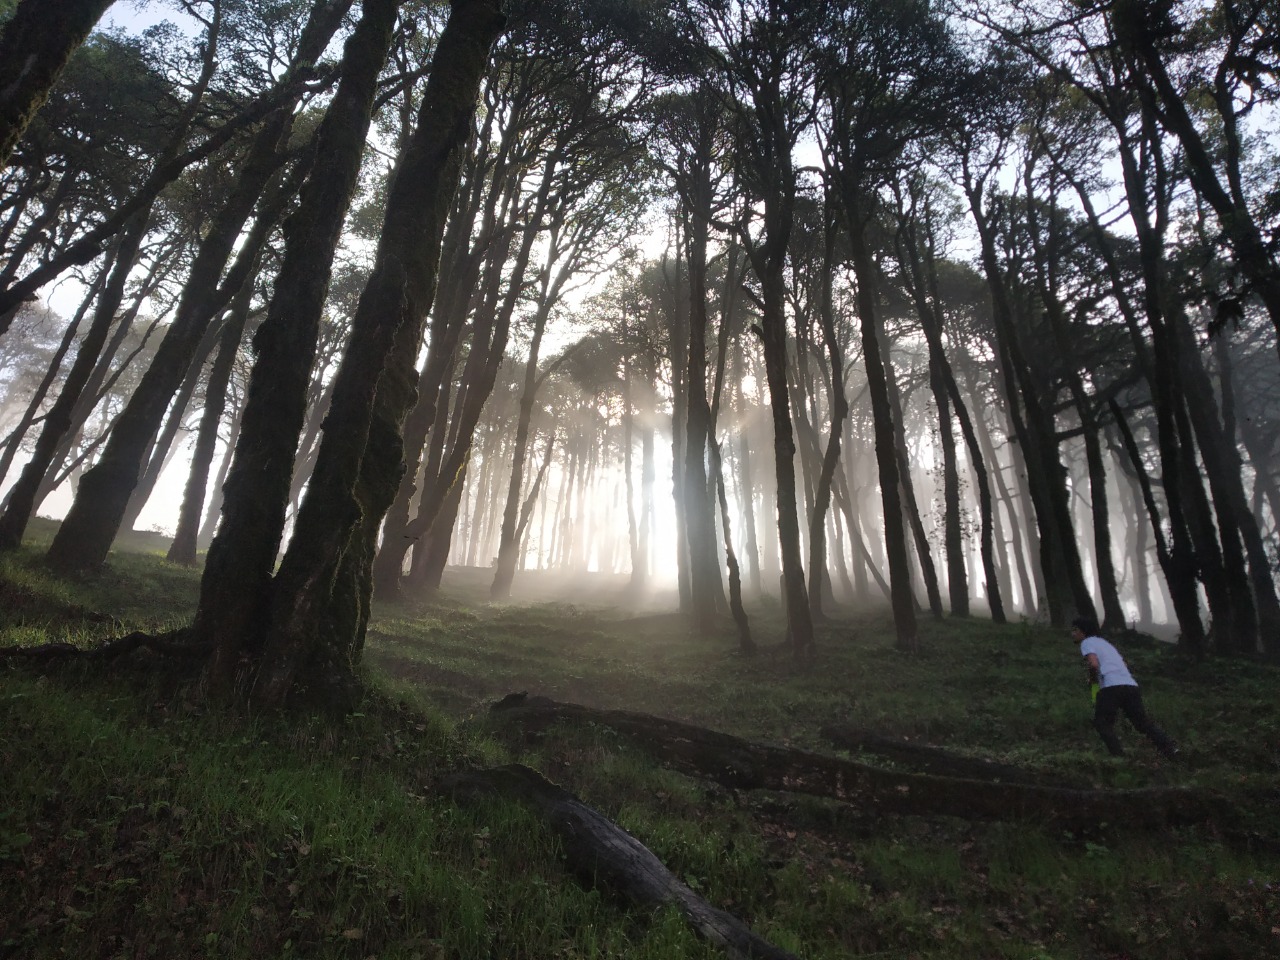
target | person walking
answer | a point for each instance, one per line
(1117, 691)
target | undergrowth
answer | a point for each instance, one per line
(137, 821)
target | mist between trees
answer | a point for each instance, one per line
(967, 310)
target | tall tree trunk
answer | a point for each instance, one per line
(911, 507)
(886, 435)
(19, 432)
(162, 447)
(1217, 441)
(947, 394)
(745, 643)
(639, 569)
(183, 549)
(746, 488)
(86, 535)
(698, 515)
(1016, 554)
(1047, 255)
(1062, 570)
(839, 411)
(322, 587)
(235, 588)
(23, 497)
(213, 510)
(461, 270)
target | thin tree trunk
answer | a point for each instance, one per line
(183, 549)
(214, 507)
(86, 535)
(29, 416)
(886, 439)
(23, 498)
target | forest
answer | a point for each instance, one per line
(792, 326)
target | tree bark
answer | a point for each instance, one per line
(309, 653)
(886, 439)
(35, 45)
(183, 548)
(85, 537)
(235, 588)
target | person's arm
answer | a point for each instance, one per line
(1091, 667)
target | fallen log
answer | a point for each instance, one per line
(171, 644)
(744, 764)
(604, 855)
(927, 758)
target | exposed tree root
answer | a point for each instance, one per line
(604, 855)
(925, 758)
(739, 763)
(171, 644)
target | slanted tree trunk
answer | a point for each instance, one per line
(163, 445)
(234, 590)
(23, 498)
(839, 411)
(214, 507)
(91, 525)
(910, 505)
(465, 265)
(311, 649)
(922, 263)
(1237, 526)
(1143, 190)
(1046, 255)
(14, 440)
(739, 612)
(183, 548)
(1063, 573)
(35, 45)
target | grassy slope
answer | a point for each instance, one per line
(135, 823)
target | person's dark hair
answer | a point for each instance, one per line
(1086, 626)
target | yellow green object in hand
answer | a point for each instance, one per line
(1093, 692)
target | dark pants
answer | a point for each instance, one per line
(1113, 700)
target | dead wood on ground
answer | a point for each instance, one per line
(171, 644)
(744, 764)
(606, 856)
(927, 758)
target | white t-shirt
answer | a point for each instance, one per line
(1111, 666)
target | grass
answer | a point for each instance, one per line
(136, 822)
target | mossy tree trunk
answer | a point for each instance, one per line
(235, 588)
(311, 647)
(35, 45)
